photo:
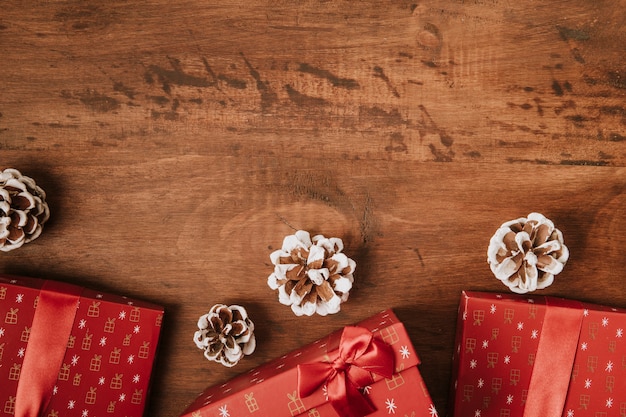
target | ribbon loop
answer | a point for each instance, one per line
(358, 356)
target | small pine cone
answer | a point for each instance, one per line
(23, 209)
(311, 276)
(226, 334)
(526, 253)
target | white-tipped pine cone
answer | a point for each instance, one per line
(526, 253)
(23, 209)
(311, 275)
(226, 334)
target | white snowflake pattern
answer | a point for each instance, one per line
(19, 298)
(507, 359)
(485, 344)
(473, 363)
(509, 399)
(71, 404)
(136, 329)
(122, 315)
(55, 390)
(433, 411)
(583, 346)
(224, 411)
(2, 331)
(531, 301)
(99, 296)
(492, 309)
(366, 390)
(520, 326)
(570, 413)
(618, 332)
(101, 380)
(481, 383)
(85, 413)
(605, 321)
(122, 397)
(404, 351)
(609, 402)
(75, 359)
(82, 324)
(136, 378)
(103, 341)
(130, 303)
(391, 406)
(131, 359)
(609, 366)
(464, 315)
(325, 391)
(21, 352)
(534, 334)
(586, 312)
(477, 413)
(587, 383)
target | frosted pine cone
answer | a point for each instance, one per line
(226, 334)
(311, 276)
(526, 253)
(23, 209)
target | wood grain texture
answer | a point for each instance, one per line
(179, 142)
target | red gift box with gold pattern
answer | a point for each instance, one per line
(72, 352)
(369, 369)
(537, 356)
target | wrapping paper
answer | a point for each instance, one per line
(272, 389)
(537, 356)
(72, 352)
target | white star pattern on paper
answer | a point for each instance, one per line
(136, 329)
(520, 326)
(507, 359)
(477, 413)
(224, 411)
(55, 390)
(404, 351)
(492, 309)
(21, 352)
(19, 298)
(465, 315)
(481, 383)
(485, 344)
(130, 303)
(609, 402)
(618, 332)
(605, 321)
(509, 399)
(122, 398)
(391, 406)
(1, 331)
(99, 296)
(82, 323)
(71, 404)
(122, 315)
(85, 413)
(366, 390)
(131, 359)
(534, 334)
(103, 341)
(325, 391)
(587, 383)
(583, 346)
(473, 363)
(136, 378)
(101, 380)
(433, 411)
(586, 312)
(75, 359)
(609, 366)
(570, 413)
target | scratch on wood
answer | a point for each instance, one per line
(284, 220)
(348, 83)
(302, 99)
(98, 102)
(379, 73)
(268, 97)
(419, 256)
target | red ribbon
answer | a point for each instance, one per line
(349, 368)
(556, 350)
(47, 343)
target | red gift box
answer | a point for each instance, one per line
(72, 352)
(537, 356)
(330, 378)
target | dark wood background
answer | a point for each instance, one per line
(179, 142)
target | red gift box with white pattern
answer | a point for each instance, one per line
(272, 389)
(537, 356)
(105, 349)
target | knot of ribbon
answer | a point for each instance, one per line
(350, 367)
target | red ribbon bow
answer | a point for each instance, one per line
(349, 368)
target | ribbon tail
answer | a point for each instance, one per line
(347, 400)
(311, 376)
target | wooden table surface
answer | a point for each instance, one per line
(179, 142)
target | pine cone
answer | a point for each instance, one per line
(226, 334)
(526, 253)
(23, 209)
(312, 276)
